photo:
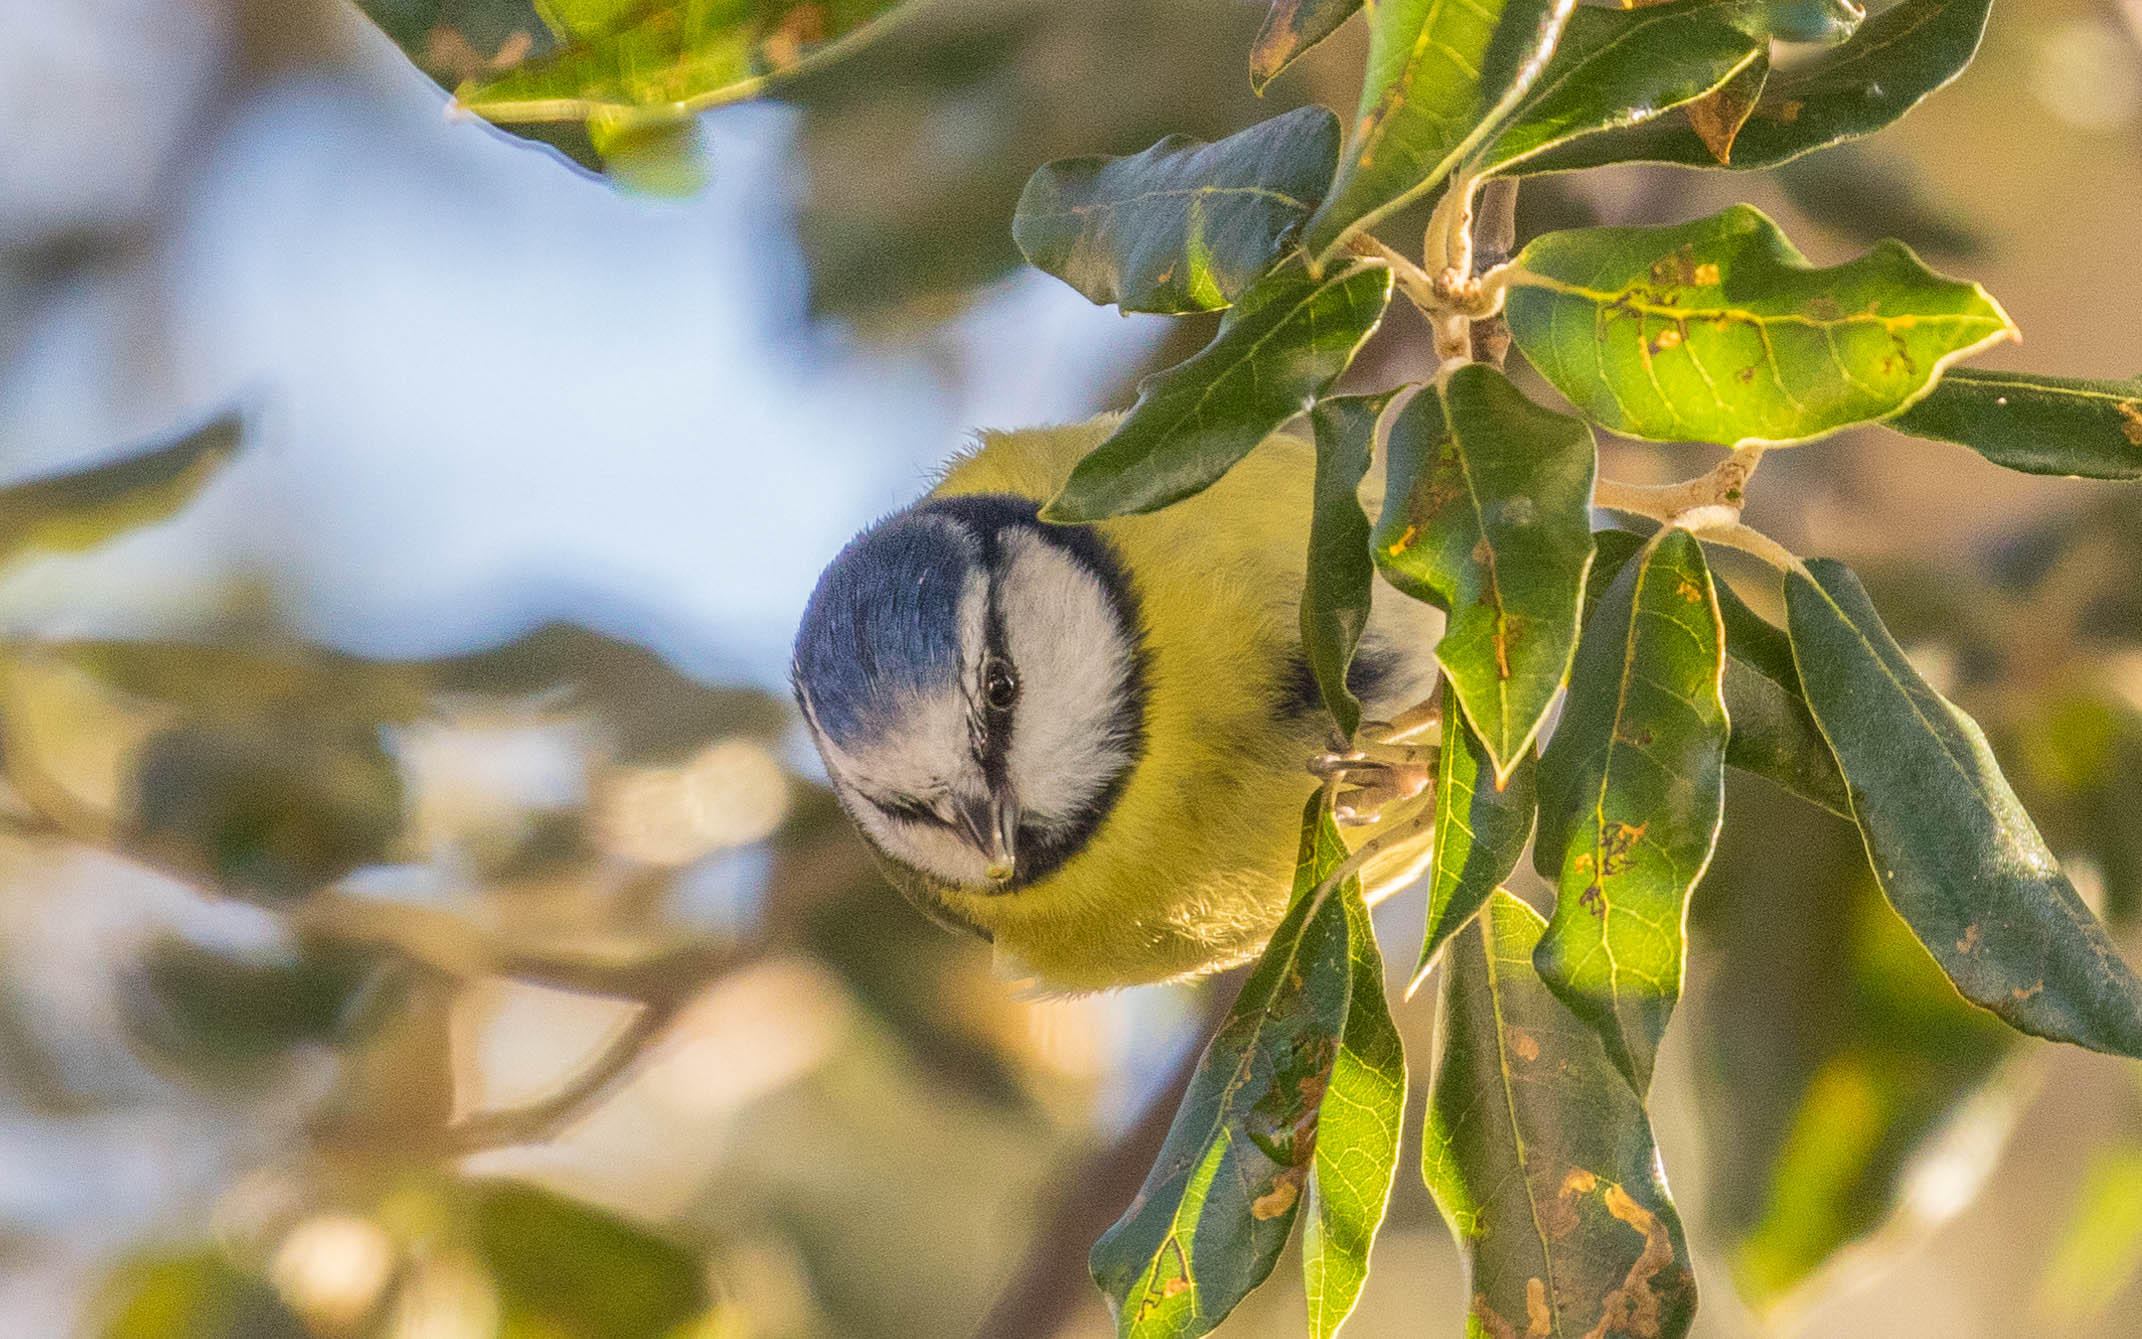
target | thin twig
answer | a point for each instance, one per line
(1494, 241)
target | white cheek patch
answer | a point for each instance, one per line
(1075, 665)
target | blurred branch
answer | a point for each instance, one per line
(1051, 1280)
(1494, 239)
(544, 1120)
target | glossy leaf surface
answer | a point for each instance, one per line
(1184, 226)
(1209, 1222)
(80, 508)
(1335, 596)
(1956, 854)
(1844, 1060)
(2036, 424)
(1480, 830)
(1442, 76)
(1292, 27)
(1773, 734)
(1356, 1135)
(1541, 1158)
(1720, 331)
(1279, 348)
(1891, 64)
(1487, 517)
(1632, 791)
(1621, 67)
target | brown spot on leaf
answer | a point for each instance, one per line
(1405, 539)
(1688, 590)
(1493, 1325)
(1633, 1308)
(1286, 1188)
(1618, 849)
(1173, 1286)
(1970, 940)
(1745, 375)
(1824, 308)
(1525, 1044)
(1539, 1316)
(1707, 273)
(1667, 339)
(2130, 412)
(801, 27)
(2022, 993)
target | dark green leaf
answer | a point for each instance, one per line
(1280, 348)
(1185, 226)
(1720, 331)
(1291, 28)
(1441, 79)
(567, 1269)
(195, 1296)
(1541, 1158)
(1209, 1222)
(1892, 63)
(1825, 22)
(1616, 68)
(2036, 424)
(1632, 790)
(85, 507)
(1843, 1058)
(1956, 854)
(1773, 735)
(1356, 1136)
(223, 1017)
(1335, 596)
(1480, 830)
(1487, 517)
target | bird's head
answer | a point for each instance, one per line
(974, 681)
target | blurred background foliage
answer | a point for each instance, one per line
(419, 917)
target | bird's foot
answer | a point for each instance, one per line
(1366, 783)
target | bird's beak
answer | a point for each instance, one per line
(992, 824)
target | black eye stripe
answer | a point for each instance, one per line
(908, 809)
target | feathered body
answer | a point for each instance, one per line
(1183, 863)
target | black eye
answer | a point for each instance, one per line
(1000, 687)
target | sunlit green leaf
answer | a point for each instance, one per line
(1892, 63)
(572, 1271)
(1185, 226)
(1216, 1208)
(1541, 1158)
(2036, 424)
(1335, 596)
(1632, 790)
(194, 1296)
(1616, 68)
(1956, 854)
(1487, 516)
(1480, 830)
(80, 508)
(1356, 1136)
(1847, 1069)
(1773, 735)
(1720, 331)
(1292, 27)
(663, 60)
(1442, 77)
(2100, 1252)
(1281, 346)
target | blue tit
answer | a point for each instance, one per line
(1087, 743)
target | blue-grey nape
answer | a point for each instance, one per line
(883, 624)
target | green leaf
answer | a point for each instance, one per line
(1336, 592)
(1487, 517)
(567, 1269)
(83, 508)
(2036, 424)
(1185, 226)
(1356, 1136)
(1292, 27)
(1216, 1208)
(193, 1296)
(1441, 78)
(1480, 830)
(1773, 734)
(1824, 22)
(1541, 1158)
(1891, 64)
(1957, 856)
(1279, 349)
(1844, 1060)
(224, 1017)
(635, 64)
(1616, 68)
(1720, 331)
(1632, 790)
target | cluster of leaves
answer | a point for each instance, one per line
(1717, 331)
